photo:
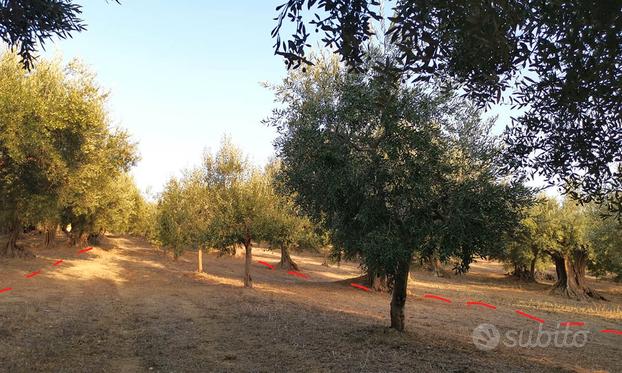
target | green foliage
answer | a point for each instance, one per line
(290, 227)
(537, 233)
(243, 200)
(100, 156)
(391, 169)
(123, 209)
(60, 159)
(606, 236)
(210, 206)
(226, 203)
(559, 61)
(173, 218)
(32, 166)
(568, 230)
(27, 24)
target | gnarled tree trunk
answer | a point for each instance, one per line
(248, 281)
(77, 238)
(326, 257)
(521, 272)
(377, 282)
(94, 238)
(571, 276)
(437, 266)
(11, 250)
(398, 298)
(434, 264)
(50, 235)
(286, 260)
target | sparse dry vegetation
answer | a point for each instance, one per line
(131, 308)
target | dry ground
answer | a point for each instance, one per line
(126, 307)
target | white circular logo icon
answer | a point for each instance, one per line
(486, 337)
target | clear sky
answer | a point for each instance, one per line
(182, 74)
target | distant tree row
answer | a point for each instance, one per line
(61, 163)
(227, 203)
(573, 237)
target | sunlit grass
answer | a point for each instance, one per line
(605, 311)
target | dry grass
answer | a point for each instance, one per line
(132, 309)
(599, 310)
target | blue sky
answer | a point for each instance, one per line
(183, 74)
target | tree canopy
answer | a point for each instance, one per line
(390, 170)
(606, 236)
(60, 157)
(26, 23)
(575, 238)
(536, 233)
(227, 203)
(559, 62)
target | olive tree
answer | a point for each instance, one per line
(57, 150)
(291, 228)
(557, 61)
(176, 226)
(103, 155)
(605, 234)
(572, 252)
(27, 25)
(374, 160)
(537, 232)
(242, 202)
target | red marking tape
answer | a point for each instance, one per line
(612, 331)
(298, 274)
(360, 287)
(58, 262)
(572, 323)
(266, 264)
(529, 316)
(32, 274)
(437, 297)
(85, 250)
(5, 290)
(481, 304)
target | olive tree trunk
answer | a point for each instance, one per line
(377, 282)
(286, 260)
(398, 299)
(521, 272)
(325, 255)
(570, 271)
(435, 265)
(532, 270)
(535, 250)
(75, 237)
(248, 281)
(200, 260)
(11, 249)
(50, 235)
(438, 267)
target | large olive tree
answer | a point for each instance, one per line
(58, 153)
(558, 61)
(384, 167)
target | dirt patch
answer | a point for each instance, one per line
(129, 308)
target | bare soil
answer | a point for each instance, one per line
(126, 307)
